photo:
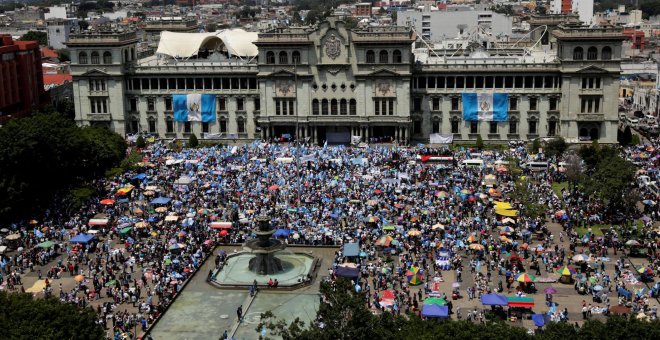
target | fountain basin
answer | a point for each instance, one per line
(236, 272)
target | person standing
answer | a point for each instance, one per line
(239, 313)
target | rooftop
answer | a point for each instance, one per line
(102, 37)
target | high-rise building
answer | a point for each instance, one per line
(21, 80)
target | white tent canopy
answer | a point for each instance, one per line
(239, 42)
(185, 45)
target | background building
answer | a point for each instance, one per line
(441, 25)
(21, 80)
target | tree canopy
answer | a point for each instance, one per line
(40, 37)
(24, 317)
(41, 156)
(343, 314)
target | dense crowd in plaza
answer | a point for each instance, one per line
(418, 225)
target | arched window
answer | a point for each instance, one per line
(270, 57)
(371, 57)
(343, 107)
(107, 57)
(324, 107)
(284, 58)
(594, 134)
(95, 58)
(396, 57)
(82, 58)
(606, 53)
(584, 132)
(333, 107)
(125, 55)
(577, 53)
(352, 107)
(592, 53)
(295, 57)
(315, 107)
(382, 57)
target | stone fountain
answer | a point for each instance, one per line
(264, 258)
(264, 247)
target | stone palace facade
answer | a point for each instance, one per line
(331, 83)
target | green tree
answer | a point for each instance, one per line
(556, 147)
(536, 145)
(140, 142)
(43, 155)
(480, 142)
(63, 55)
(625, 137)
(193, 142)
(40, 37)
(25, 317)
(610, 180)
(635, 140)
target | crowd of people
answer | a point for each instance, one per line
(150, 229)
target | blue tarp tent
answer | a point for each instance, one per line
(140, 176)
(435, 311)
(347, 272)
(624, 292)
(494, 300)
(351, 249)
(82, 238)
(540, 319)
(160, 200)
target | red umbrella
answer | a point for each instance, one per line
(108, 201)
(378, 191)
(223, 232)
(273, 187)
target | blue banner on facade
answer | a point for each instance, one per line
(486, 107)
(194, 107)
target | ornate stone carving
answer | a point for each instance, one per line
(384, 88)
(332, 47)
(284, 88)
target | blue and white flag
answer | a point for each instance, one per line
(194, 107)
(485, 107)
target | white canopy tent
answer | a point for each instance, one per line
(185, 45)
(237, 42)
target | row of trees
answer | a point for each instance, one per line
(24, 317)
(344, 315)
(47, 154)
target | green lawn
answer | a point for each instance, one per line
(596, 228)
(558, 186)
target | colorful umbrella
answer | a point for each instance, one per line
(581, 258)
(507, 229)
(645, 270)
(476, 246)
(550, 290)
(472, 239)
(108, 201)
(414, 276)
(79, 278)
(414, 232)
(441, 194)
(223, 232)
(161, 209)
(566, 270)
(524, 277)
